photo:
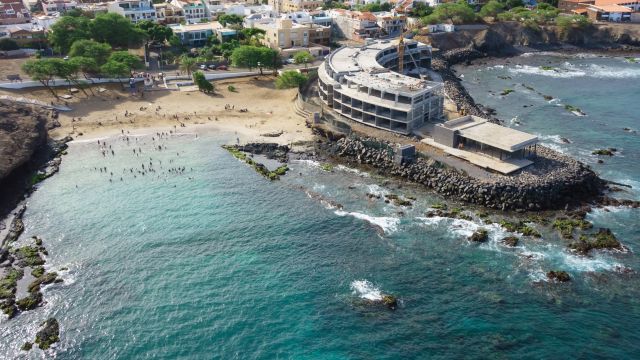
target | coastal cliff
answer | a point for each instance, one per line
(504, 38)
(24, 147)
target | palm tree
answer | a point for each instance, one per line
(187, 64)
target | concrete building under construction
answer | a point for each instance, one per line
(368, 84)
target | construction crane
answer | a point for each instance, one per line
(401, 46)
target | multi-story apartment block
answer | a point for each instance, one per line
(59, 6)
(364, 85)
(134, 10)
(355, 25)
(195, 11)
(285, 6)
(167, 13)
(198, 34)
(13, 12)
(390, 24)
(289, 37)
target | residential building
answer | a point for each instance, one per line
(167, 13)
(25, 34)
(134, 10)
(364, 85)
(611, 13)
(390, 24)
(285, 6)
(289, 37)
(195, 11)
(355, 25)
(13, 12)
(31, 5)
(93, 8)
(198, 34)
(57, 6)
(570, 6)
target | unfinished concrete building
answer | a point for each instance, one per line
(363, 84)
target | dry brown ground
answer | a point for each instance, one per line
(12, 67)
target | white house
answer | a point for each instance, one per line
(134, 10)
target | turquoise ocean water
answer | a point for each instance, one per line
(214, 261)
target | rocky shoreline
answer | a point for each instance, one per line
(557, 182)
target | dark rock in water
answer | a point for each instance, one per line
(390, 301)
(510, 241)
(603, 239)
(560, 276)
(26, 346)
(600, 161)
(270, 150)
(480, 235)
(565, 140)
(30, 302)
(605, 152)
(49, 334)
(548, 97)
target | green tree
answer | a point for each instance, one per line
(66, 31)
(334, 5)
(492, 8)
(90, 49)
(227, 19)
(86, 65)
(115, 69)
(187, 63)
(46, 70)
(420, 10)
(131, 61)
(203, 84)
(115, 30)
(154, 32)
(459, 12)
(8, 44)
(572, 21)
(290, 79)
(254, 56)
(303, 57)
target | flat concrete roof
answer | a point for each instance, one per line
(482, 131)
(363, 68)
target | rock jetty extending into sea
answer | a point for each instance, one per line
(554, 182)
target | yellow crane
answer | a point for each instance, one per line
(401, 54)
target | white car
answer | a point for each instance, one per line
(203, 67)
(290, 61)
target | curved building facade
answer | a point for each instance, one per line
(362, 84)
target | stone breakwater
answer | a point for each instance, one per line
(453, 87)
(554, 182)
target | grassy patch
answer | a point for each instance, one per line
(566, 226)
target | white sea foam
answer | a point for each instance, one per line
(377, 190)
(366, 290)
(582, 263)
(353, 171)
(388, 224)
(310, 163)
(569, 70)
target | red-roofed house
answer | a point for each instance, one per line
(13, 12)
(609, 12)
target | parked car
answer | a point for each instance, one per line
(203, 67)
(212, 67)
(222, 67)
(290, 61)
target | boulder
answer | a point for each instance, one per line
(49, 334)
(480, 235)
(560, 276)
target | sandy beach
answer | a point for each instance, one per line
(115, 111)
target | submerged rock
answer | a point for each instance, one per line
(390, 301)
(49, 334)
(560, 276)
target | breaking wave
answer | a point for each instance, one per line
(366, 290)
(386, 223)
(569, 70)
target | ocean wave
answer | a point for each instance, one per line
(377, 190)
(542, 53)
(311, 163)
(366, 290)
(569, 70)
(388, 224)
(588, 264)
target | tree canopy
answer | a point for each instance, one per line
(492, 8)
(129, 60)
(91, 49)
(46, 70)
(227, 19)
(375, 7)
(66, 31)
(115, 69)
(154, 32)
(253, 56)
(303, 57)
(420, 10)
(459, 12)
(187, 63)
(115, 30)
(203, 84)
(290, 79)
